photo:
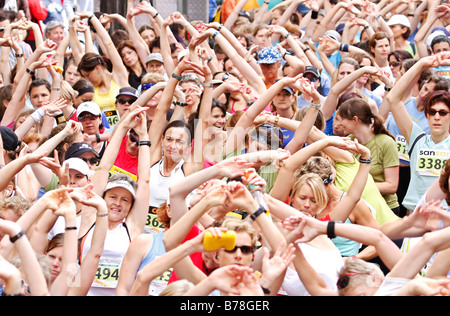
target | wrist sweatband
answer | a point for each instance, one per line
(38, 115)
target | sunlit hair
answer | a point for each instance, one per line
(317, 186)
(238, 226)
(357, 272)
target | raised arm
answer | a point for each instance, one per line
(237, 135)
(119, 72)
(395, 96)
(244, 68)
(83, 281)
(159, 121)
(30, 265)
(138, 214)
(100, 177)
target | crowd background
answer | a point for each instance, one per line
(282, 148)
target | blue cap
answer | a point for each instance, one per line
(269, 55)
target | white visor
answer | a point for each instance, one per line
(121, 184)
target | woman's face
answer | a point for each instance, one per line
(119, 203)
(175, 143)
(85, 97)
(55, 257)
(382, 49)
(395, 66)
(344, 70)
(439, 125)
(39, 95)
(77, 179)
(260, 38)
(148, 36)
(240, 256)
(95, 77)
(426, 89)
(304, 201)
(347, 125)
(283, 100)
(71, 74)
(129, 56)
(398, 30)
(364, 78)
(276, 15)
(216, 121)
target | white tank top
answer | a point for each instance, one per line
(159, 191)
(116, 245)
(327, 263)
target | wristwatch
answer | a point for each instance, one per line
(145, 143)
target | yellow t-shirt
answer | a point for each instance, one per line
(346, 172)
(107, 102)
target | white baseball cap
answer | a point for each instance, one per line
(90, 107)
(399, 19)
(78, 165)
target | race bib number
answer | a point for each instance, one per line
(153, 225)
(116, 170)
(401, 148)
(108, 271)
(160, 283)
(431, 162)
(112, 116)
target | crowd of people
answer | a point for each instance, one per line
(281, 148)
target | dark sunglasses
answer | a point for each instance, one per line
(394, 63)
(246, 250)
(87, 117)
(123, 101)
(345, 279)
(442, 113)
(92, 161)
(312, 79)
(133, 139)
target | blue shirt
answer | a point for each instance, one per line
(427, 161)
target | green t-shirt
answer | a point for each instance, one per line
(346, 172)
(384, 155)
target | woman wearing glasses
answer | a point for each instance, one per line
(428, 152)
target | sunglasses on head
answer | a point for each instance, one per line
(87, 117)
(123, 101)
(442, 113)
(92, 161)
(246, 250)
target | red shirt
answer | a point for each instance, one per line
(38, 12)
(125, 163)
(196, 257)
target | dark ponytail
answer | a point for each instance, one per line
(361, 109)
